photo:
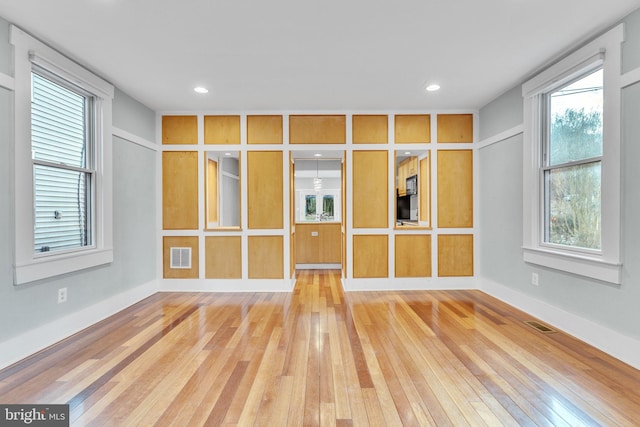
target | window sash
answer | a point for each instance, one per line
(63, 141)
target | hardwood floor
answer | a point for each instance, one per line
(318, 356)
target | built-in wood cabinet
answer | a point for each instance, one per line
(318, 243)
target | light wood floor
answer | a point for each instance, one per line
(318, 356)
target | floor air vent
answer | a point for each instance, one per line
(540, 327)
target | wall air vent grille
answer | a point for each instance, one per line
(180, 258)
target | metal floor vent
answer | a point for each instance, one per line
(180, 258)
(540, 327)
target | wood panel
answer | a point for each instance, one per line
(424, 190)
(179, 129)
(317, 129)
(413, 255)
(323, 248)
(264, 129)
(370, 256)
(370, 129)
(266, 256)
(455, 127)
(169, 242)
(412, 128)
(419, 358)
(179, 190)
(455, 188)
(264, 187)
(455, 255)
(222, 130)
(370, 189)
(223, 257)
(212, 191)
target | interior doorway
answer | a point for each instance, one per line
(318, 212)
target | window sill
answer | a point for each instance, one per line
(46, 267)
(594, 268)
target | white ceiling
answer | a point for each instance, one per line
(314, 55)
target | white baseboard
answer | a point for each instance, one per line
(35, 340)
(227, 285)
(614, 343)
(409, 284)
(318, 266)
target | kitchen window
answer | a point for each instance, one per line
(572, 162)
(63, 163)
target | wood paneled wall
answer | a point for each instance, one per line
(370, 256)
(412, 128)
(370, 129)
(264, 187)
(450, 241)
(455, 188)
(169, 242)
(223, 257)
(370, 189)
(179, 129)
(266, 257)
(318, 129)
(222, 130)
(180, 190)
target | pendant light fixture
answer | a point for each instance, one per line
(317, 181)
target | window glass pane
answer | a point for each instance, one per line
(576, 120)
(573, 206)
(310, 207)
(327, 207)
(58, 123)
(61, 212)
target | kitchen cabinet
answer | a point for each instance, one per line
(407, 168)
(318, 243)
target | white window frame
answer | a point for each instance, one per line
(604, 264)
(28, 265)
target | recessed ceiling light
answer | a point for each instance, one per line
(227, 154)
(317, 155)
(407, 152)
(200, 89)
(432, 87)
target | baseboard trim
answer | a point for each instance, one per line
(35, 340)
(227, 285)
(408, 284)
(614, 343)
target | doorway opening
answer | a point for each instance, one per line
(318, 210)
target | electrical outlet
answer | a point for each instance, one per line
(534, 279)
(62, 295)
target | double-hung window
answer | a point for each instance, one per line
(63, 219)
(572, 181)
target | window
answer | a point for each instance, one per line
(62, 163)
(63, 171)
(572, 162)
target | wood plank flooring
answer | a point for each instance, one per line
(318, 356)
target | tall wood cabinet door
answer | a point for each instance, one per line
(370, 189)
(264, 189)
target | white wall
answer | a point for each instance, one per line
(27, 311)
(605, 315)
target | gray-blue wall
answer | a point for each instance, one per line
(500, 216)
(134, 188)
